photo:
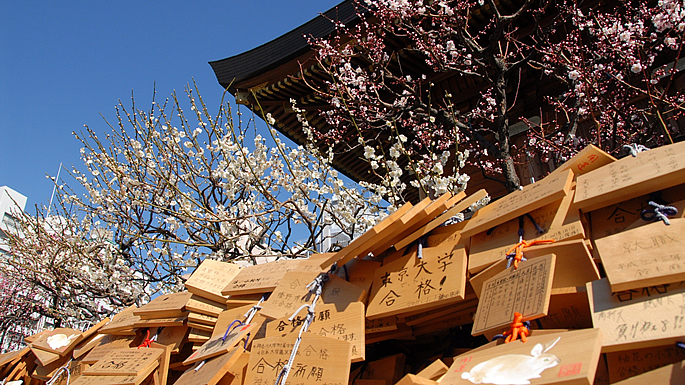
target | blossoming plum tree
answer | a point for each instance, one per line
(621, 70)
(163, 190)
(616, 69)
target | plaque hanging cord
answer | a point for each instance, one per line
(422, 242)
(253, 311)
(148, 341)
(518, 329)
(316, 288)
(59, 371)
(659, 212)
(248, 318)
(635, 148)
(515, 254)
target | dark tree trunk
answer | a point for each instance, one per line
(511, 179)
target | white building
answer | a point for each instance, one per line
(11, 203)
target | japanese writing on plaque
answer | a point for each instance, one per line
(126, 362)
(413, 283)
(644, 256)
(319, 360)
(520, 202)
(636, 361)
(345, 324)
(625, 178)
(212, 276)
(260, 278)
(525, 290)
(632, 316)
(292, 292)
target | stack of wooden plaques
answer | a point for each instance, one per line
(417, 301)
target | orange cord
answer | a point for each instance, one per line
(517, 250)
(517, 330)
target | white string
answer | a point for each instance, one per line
(253, 311)
(64, 368)
(316, 288)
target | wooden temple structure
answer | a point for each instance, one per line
(266, 78)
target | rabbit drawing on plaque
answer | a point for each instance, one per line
(514, 369)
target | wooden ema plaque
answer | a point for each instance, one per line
(432, 225)
(111, 380)
(210, 278)
(292, 292)
(87, 345)
(261, 278)
(574, 265)
(626, 364)
(44, 372)
(588, 159)
(365, 240)
(517, 203)
(107, 344)
(33, 337)
(434, 371)
(412, 221)
(44, 357)
(11, 357)
(359, 272)
(382, 324)
(630, 177)
(525, 290)
(645, 256)
(568, 309)
(429, 315)
(413, 379)
(632, 319)
(212, 371)
(201, 305)
(164, 306)
(673, 374)
(161, 375)
(202, 319)
(122, 323)
(411, 284)
(59, 341)
(450, 234)
(74, 367)
(403, 332)
(626, 215)
(491, 246)
(217, 345)
(203, 327)
(347, 325)
(234, 301)
(162, 322)
(197, 335)
(174, 337)
(319, 360)
(126, 362)
(238, 370)
(568, 358)
(228, 316)
(389, 369)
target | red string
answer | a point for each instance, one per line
(147, 342)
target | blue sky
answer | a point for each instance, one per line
(63, 64)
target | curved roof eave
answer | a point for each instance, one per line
(286, 47)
